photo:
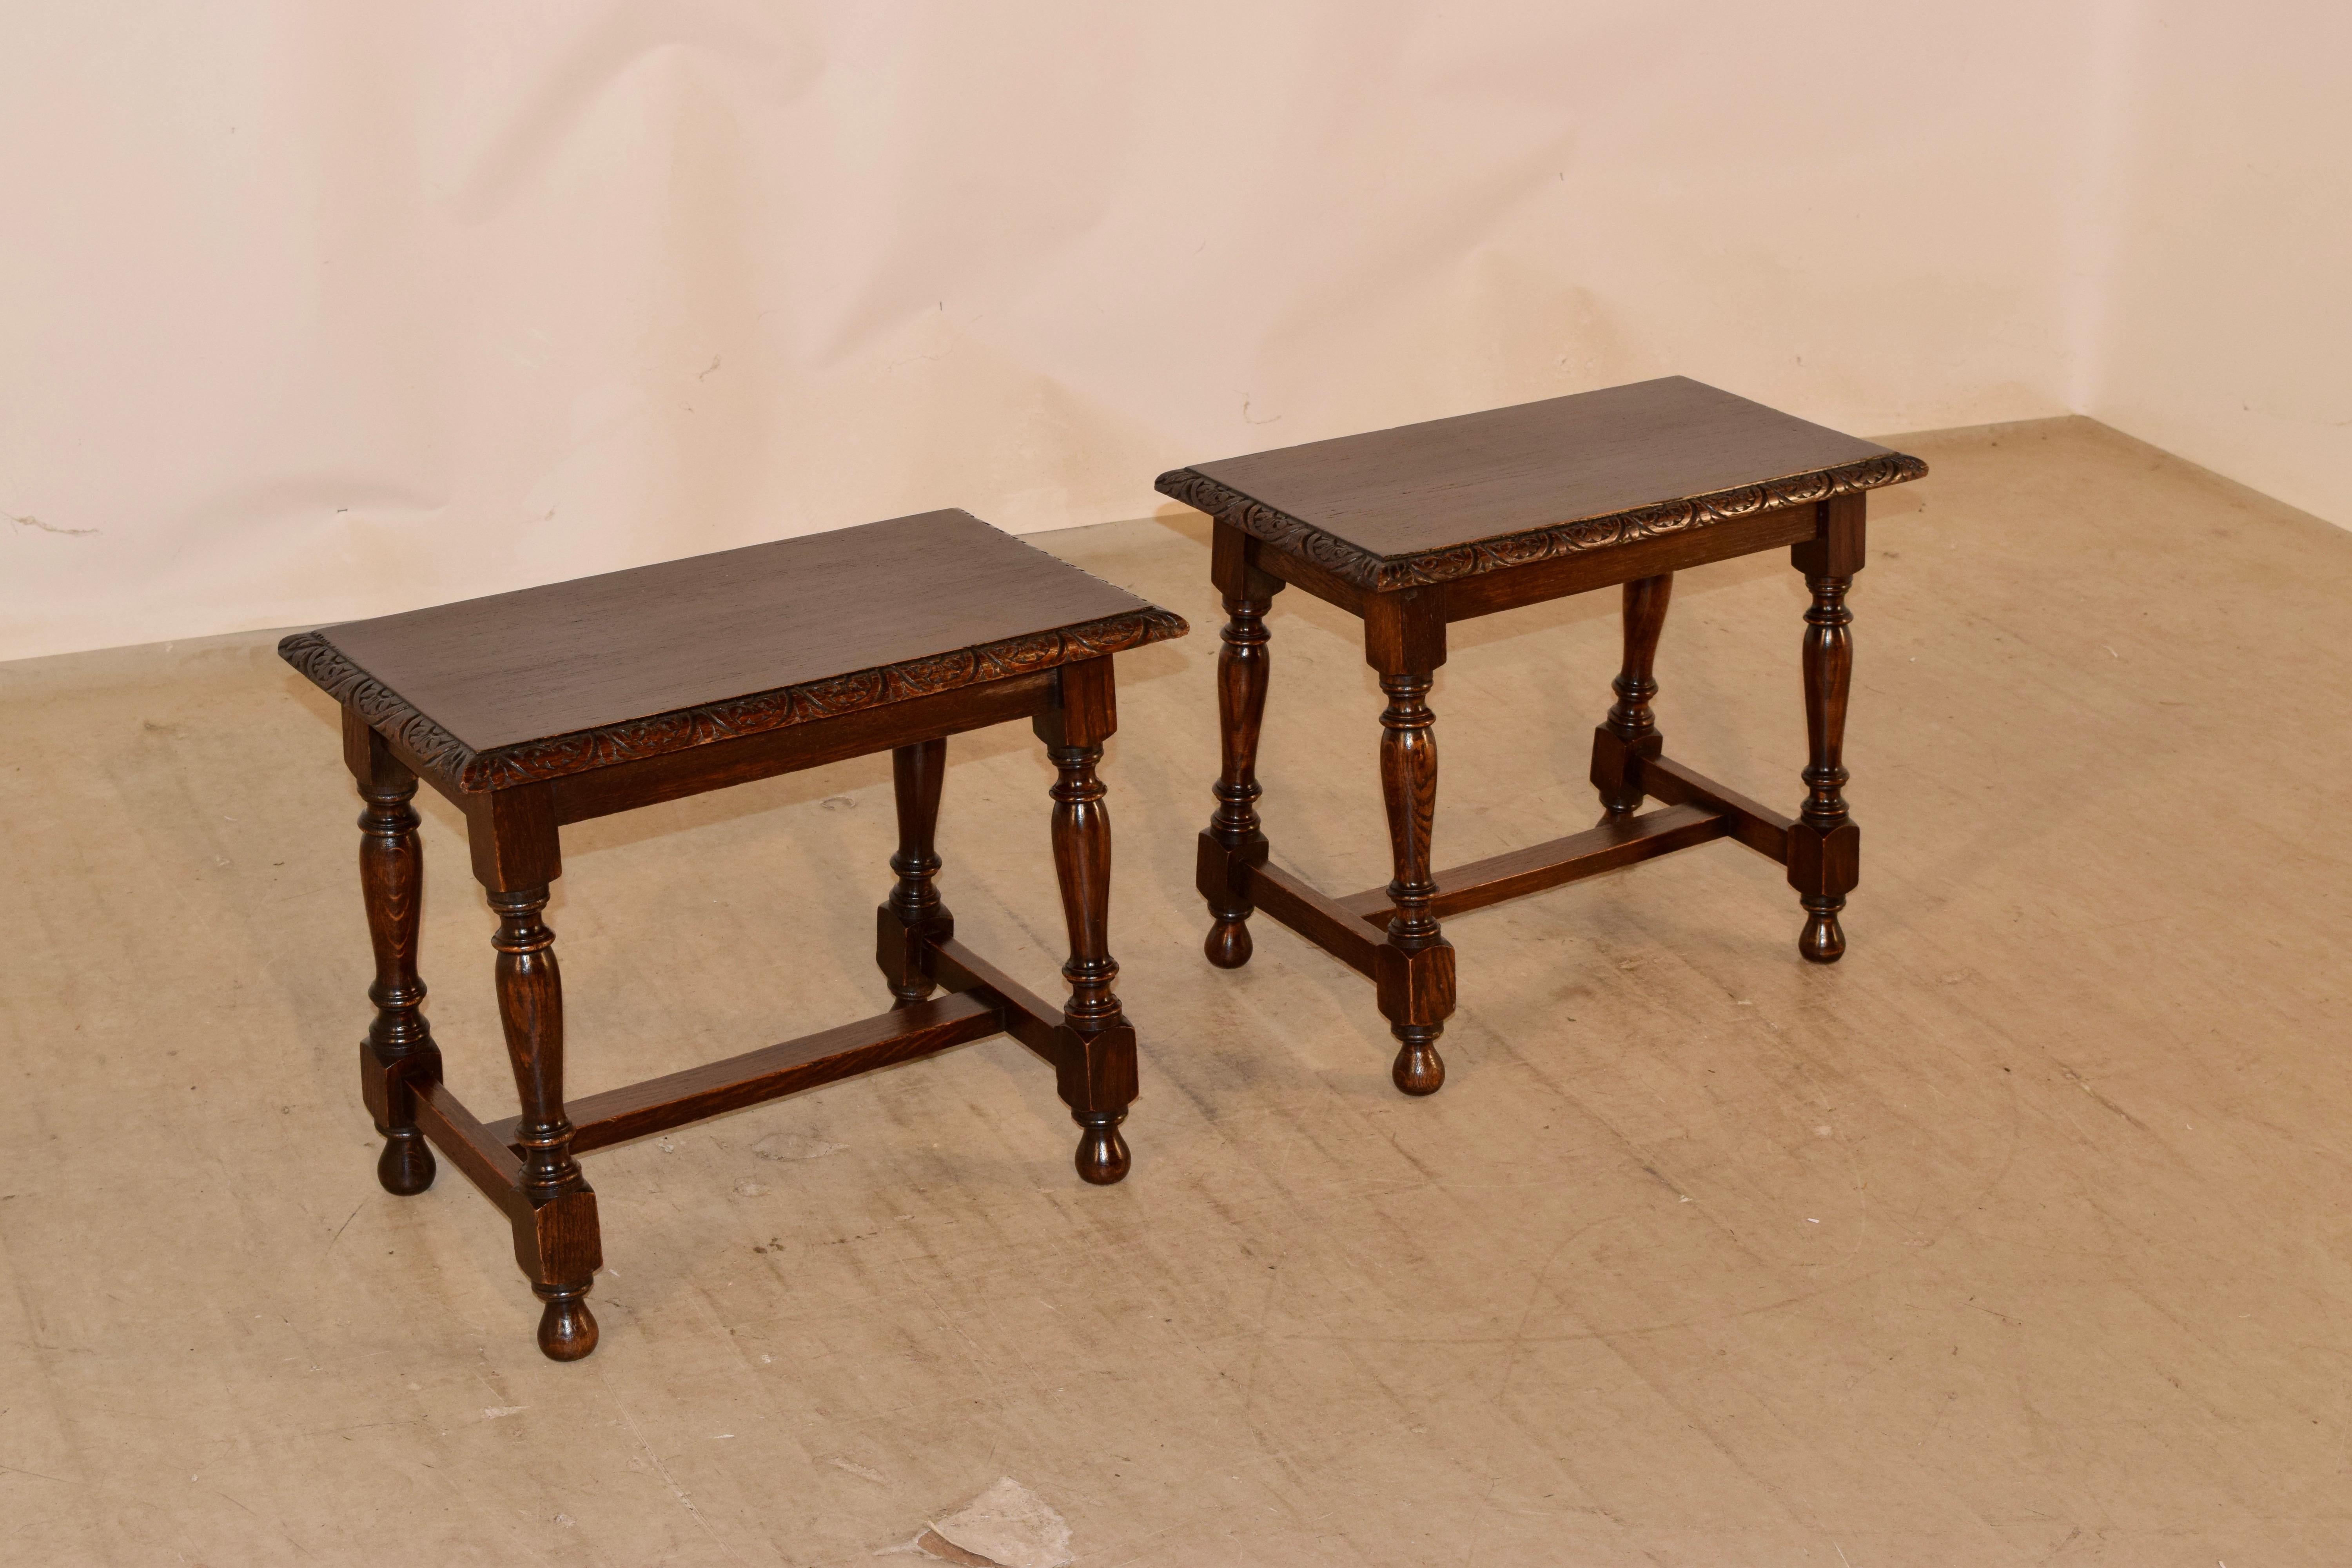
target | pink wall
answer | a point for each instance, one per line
(318, 309)
(2223, 326)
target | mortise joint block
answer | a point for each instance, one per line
(1827, 865)
(556, 1242)
(1095, 1070)
(1415, 987)
(1617, 765)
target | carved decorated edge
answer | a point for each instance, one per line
(528, 761)
(1385, 573)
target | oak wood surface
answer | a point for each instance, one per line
(1414, 528)
(914, 915)
(549, 681)
(674, 775)
(399, 1045)
(1540, 582)
(1588, 470)
(1752, 823)
(920, 1029)
(532, 710)
(1234, 834)
(486, 1161)
(1028, 1018)
(1630, 732)
(1516, 872)
(1289, 567)
(1314, 915)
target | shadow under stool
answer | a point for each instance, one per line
(553, 705)
(1414, 528)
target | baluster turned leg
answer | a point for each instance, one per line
(1096, 1070)
(913, 917)
(1233, 841)
(1824, 844)
(399, 1050)
(1416, 973)
(556, 1242)
(1631, 734)
(1829, 671)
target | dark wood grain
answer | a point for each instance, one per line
(1541, 582)
(1415, 528)
(1481, 492)
(917, 773)
(483, 1159)
(1636, 684)
(674, 775)
(1753, 824)
(1314, 915)
(904, 1034)
(1287, 567)
(1028, 1018)
(1097, 1072)
(1244, 666)
(1081, 839)
(913, 917)
(1630, 730)
(1413, 1001)
(1409, 792)
(531, 1011)
(553, 681)
(1824, 843)
(1617, 843)
(512, 837)
(399, 1050)
(530, 710)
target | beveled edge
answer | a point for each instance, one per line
(1386, 574)
(531, 761)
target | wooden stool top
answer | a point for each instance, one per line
(543, 682)
(1429, 503)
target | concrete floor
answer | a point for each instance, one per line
(2021, 1236)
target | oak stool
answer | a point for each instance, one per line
(531, 710)
(1413, 527)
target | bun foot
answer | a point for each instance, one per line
(1228, 946)
(1419, 1069)
(1102, 1158)
(406, 1166)
(567, 1330)
(1823, 941)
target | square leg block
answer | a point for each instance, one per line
(1415, 987)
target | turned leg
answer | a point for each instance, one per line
(1630, 732)
(913, 918)
(1415, 970)
(1096, 1044)
(530, 1010)
(1233, 841)
(399, 1051)
(1822, 875)
(1234, 832)
(1825, 844)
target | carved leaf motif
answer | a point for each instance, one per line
(1386, 574)
(503, 767)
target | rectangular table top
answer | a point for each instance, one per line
(1479, 491)
(551, 680)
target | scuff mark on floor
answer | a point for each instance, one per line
(29, 520)
(794, 1146)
